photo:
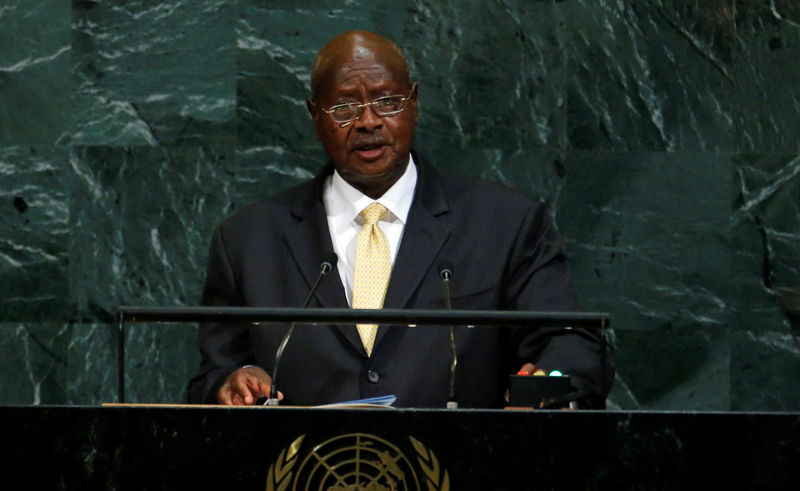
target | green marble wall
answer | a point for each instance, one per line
(663, 134)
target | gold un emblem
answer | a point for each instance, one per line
(356, 462)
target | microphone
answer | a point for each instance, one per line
(446, 272)
(325, 267)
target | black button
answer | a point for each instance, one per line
(373, 376)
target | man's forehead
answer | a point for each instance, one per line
(352, 73)
(364, 58)
(358, 57)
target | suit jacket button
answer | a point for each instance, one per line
(373, 376)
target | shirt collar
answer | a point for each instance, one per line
(349, 201)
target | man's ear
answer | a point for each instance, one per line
(312, 109)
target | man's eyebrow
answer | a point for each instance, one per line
(348, 93)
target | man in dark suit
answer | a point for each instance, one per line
(503, 247)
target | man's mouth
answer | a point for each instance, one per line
(370, 151)
(369, 146)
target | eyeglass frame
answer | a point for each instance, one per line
(362, 107)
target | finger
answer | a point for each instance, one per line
(527, 369)
(237, 400)
(258, 388)
(240, 385)
(260, 382)
(224, 394)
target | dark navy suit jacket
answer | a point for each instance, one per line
(506, 255)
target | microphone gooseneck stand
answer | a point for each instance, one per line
(324, 268)
(446, 272)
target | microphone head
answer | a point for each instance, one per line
(445, 269)
(329, 261)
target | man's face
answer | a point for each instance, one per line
(370, 153)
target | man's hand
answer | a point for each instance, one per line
(245, 386)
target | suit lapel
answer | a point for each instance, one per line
(308, 243)
(422, 240)
(423, 237)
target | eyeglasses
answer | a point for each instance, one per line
(383, 106)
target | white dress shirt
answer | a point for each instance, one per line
(343, 205)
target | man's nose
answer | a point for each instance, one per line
(369, 120)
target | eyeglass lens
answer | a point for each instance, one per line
(384, 106)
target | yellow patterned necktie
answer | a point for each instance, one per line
(372, 270)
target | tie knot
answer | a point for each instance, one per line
(373, 213)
